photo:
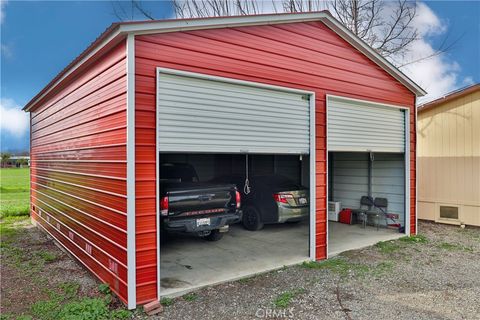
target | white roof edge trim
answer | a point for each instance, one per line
(237, 21)
(76, 66)
(225, 22)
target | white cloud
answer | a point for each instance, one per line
(12, 119)
(468, 81)
(439, 74)
(3, 3)
(427, 22)
(6, 51)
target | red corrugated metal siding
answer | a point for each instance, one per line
(300, 55)
(78, 172)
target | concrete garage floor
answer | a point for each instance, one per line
(343, 237)
(188, 262)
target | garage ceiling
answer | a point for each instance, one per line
(200, 114)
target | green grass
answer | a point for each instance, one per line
(64, 303)
(47, 256)
(392, 246)
(388, 246)
(10, 226)
(14, 191)
(285, 299)
(104, 288)
(167, 301)
(414, 239)
(454, 247)
(11, 230)
(190, 297)
(345, 268)
(339, 266)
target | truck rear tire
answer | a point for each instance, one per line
(251, 219)
(214, 235)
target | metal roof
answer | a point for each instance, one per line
(117, 31)
(449, 96)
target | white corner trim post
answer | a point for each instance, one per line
(157, 182)
(327, 172)
(313, 174)
(407, 172)
(416, 165)
(131, 252)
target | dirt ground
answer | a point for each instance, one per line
(38, 279)
(435, 275)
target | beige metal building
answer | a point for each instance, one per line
(449, 158)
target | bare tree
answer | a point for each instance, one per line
(386, 26)
(127, 10)
(214, 8)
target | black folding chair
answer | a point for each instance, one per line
(381, 204)
(366, 203)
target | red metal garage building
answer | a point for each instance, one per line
(93, 128)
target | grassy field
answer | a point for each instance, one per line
(14, 191)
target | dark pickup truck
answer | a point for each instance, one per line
(188, 205)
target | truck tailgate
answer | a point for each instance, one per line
(200, 200)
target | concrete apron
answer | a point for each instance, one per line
(344, 237)
(189, 263)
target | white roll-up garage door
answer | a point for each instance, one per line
(209, 114)
(362, 126)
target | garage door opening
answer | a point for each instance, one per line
(366, 199)
(187, 261)
(368, 172)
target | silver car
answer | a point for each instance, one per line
(272, 199)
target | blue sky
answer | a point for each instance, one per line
(38, 39)
(463, 21)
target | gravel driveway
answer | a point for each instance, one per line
(432, 276)
(435, 275)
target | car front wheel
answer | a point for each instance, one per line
(251, 219)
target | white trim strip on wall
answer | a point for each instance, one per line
(327, 104)
(407, 172)
(313, 174)
(416, 166)
(131, 249)
(157, 183)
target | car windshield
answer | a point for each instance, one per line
(180, 173)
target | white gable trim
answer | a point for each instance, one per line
(148, 27)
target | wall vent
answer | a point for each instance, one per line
(113, 266)
(448, 212)
(88, 248)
